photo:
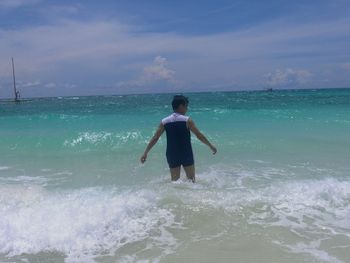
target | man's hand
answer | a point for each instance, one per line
(152, 142)
(213, 149)
(143, 158)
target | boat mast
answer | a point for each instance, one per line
(14, 82)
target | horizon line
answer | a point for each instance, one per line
(7, 99)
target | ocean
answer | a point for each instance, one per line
(72, 188)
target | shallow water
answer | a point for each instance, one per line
(72, 188)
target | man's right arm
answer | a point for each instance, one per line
(200, 135)
(152, 142)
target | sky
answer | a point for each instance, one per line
(67, 48)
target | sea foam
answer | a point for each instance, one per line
(82, 223)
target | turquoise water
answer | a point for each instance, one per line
(72, 188)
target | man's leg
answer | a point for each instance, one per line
(175, 173)
(190, 172)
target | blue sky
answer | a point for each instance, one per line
(115, 47)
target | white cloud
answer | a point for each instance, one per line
(28, 84)
(41, 47)
(107, 52)
(158, 71)
(50, 85)
(10, 4)
(37, 83)
(287, 77)
(69, 85)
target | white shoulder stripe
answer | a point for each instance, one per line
(174, 118)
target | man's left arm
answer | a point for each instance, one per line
(152, 142)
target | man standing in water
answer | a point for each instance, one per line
(179, 148)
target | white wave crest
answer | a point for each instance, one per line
(81, 223)
(96, 138)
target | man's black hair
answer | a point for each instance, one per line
(179, 100)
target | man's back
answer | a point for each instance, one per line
(179, 149)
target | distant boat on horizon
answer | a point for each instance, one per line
(16, 92)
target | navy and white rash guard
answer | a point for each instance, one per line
(179, 148)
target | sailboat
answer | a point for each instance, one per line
(17, 95)
(16, 92)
